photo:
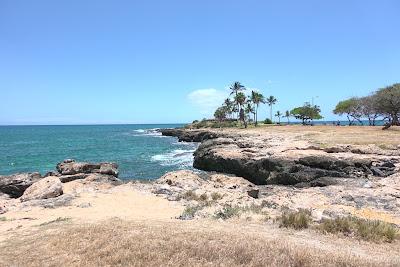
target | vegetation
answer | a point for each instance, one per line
(271, 100)
(307, 113)
(278, 115)
(244, 108)
(384, 103)
(365, 229)
(190, 211)
(297, 220)
(116, 243)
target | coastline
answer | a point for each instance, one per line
(181, 201)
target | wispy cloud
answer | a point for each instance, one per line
(207, 100)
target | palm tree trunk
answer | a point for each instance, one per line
(270, 112)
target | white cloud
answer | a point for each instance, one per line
(207, 100)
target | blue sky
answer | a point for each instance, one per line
(77, 62)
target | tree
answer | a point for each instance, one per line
(287, 116)
(368, 109)
(279, 115)
(306, 113)
(240, 100)
(220, 113)
(250, 109)
(236, 88)
(271, 100)
(387, 102)
(352, 108)
(230, 106)
(257, 98)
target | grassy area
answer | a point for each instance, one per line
(119, 243)
(368, 230)
(296, 220)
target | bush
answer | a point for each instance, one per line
(267, 121)
(296, 220)
(216, 196)
(227, 212)
(369, 230)
(189, 212)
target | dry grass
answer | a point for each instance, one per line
(118, 243)
(297, 220)
(368, 230)
(332, 135)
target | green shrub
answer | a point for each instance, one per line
(216, 196)
(267, 121)
(369, 230)
(3, 219)
(227, 212)
(296, 220)
(189, 212)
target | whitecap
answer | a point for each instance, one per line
(182, 158)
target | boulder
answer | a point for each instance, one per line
(48, 187)
(70, 167)
(16, 184)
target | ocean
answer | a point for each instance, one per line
(140, 151)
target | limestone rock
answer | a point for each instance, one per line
(48, 187)
(70, 167)
(184, 179)
(15, 185)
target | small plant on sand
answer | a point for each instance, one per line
(216, 196)
(369, 230)
(189, 212)
(58, 220)
(227, 212)
(3, 219)
(297, 220)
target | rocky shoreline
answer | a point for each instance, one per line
(277, 159)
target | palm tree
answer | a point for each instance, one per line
(279, 115)
(229, 106)
(256, 98)
(240, 100)
(249, 109)
(271, 101)
(236, 88)
(287, 116)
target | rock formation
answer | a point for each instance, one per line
(276, 159)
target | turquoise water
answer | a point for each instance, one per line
(141, 152)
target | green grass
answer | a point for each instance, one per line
(369, 230)
(297, 220)
(3, 219)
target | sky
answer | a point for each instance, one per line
(98, 62)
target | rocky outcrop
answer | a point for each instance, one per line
(15, 185)
(67, 171)
(49, 187)
(266, 165)
(185, 135)
(70, 167)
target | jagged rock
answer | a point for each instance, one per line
(51, 173)
(102, 178)
(184, 179)
(70, 167)
(45, 188)
(185, 135)
(16, 184)
(254, 193)
(73, 177)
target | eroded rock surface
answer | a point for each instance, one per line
(49, 187)
(15, 185)
(70, 167)
(271, 158)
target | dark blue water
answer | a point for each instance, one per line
(141, 152)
